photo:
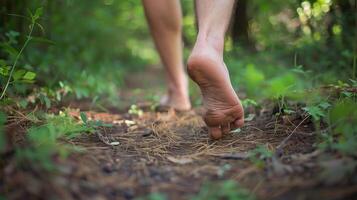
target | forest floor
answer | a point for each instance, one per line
(170, 153)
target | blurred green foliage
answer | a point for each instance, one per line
(228, 189)
(86, 46)
(343, 118)
(44, 141)
(47, 140)
(86, 49)
(92, 46)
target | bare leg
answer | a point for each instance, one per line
(164, 18)
(206, 67)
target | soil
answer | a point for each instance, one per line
(171, 153)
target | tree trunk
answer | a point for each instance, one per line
(240, 25)
(348, 18)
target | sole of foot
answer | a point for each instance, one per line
(223, 109)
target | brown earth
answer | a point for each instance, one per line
(170, 153)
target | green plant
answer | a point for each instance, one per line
(47, 96)
(281, 85)
(343, 123)
(92, 124)
(228, 190)
(318, 111)
(254, 79)
(135, 110)
(46, 141)
(249, 102)
(21, 74)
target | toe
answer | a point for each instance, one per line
(215, 132)
(225, 128)
(237, 123)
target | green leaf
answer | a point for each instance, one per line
(12, 37)
(347, 94)
(84, 117)
(5, 70)
(98, 123)
(324, 105)
(61, 84)
(315, 111)
(8, 49)
(26, 81)
(281, 85)
(29, 76)
(298, 70)
(354, 82)
(45, 100)
(18, 74)
(37, 14)
(249, 102)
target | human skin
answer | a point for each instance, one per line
(223, 109)
(165, 22)
(207, 68)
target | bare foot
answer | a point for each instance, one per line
(176, 100)
(223, 108)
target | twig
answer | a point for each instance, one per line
(283, 143)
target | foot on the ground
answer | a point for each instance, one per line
(224, 111)
(176, 101)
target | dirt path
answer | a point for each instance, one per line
(170, 153)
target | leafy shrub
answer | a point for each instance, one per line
(343, 122)
(9, 73)
(45, 141)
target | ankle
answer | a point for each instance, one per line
(214, 41)
(179, 88)
(206, 50)
(178, 85)
(178, 92)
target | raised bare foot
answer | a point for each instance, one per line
(223, 107)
